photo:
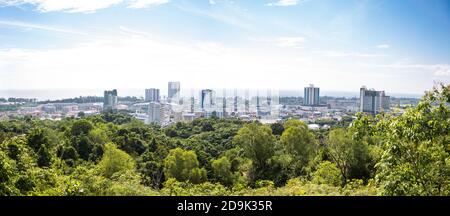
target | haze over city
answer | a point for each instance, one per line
(397, 46)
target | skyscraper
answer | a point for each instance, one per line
(152, 95)
(372, 101)
(311, 96)
(206, 98)
(173, 93)
(110, 100)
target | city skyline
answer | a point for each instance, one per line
(400, 46)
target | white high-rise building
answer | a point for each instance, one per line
(173, 93)
(152, 95)
(155, 113)
(311, 96)
(372, 101)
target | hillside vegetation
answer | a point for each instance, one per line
(114, 154)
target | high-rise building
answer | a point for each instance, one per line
(110, 100)
(224, 103)
(173, 93)
(372, 101)
(154, 113)
(258, 103)
(247, 101)
(311, 96)
(192, 104)
(206, 99)
(152, 95)
(235, 102)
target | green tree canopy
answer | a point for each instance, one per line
(183, 166)
(258, 144)
(416, 159)
(115, 160)
(327, 173)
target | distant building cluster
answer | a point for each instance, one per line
(264, 106)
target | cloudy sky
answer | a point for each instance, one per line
(398, 46)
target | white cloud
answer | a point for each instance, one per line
(288, 42)
(442, 70)
(146, 3)
(40, 27)
(70, 6)
(284, 3)
(138, 59)
(212, 2)
(294, 42)
(229, 14)
(132, 62)
(383, 46)
(439, 70)
(76, 6)
(339, 54)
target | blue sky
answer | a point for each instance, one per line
(400, 46)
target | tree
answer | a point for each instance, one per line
(84, 146)
(36, 138)
(151, 166)
(68, 153)
(258, 144)
(183, 166)
(81, 127)
(206, 126)
(130, 142)
(6, 175)
(295, 123)
(327, 173)
(339, 145)
(416, 158)
(222, 171)
(277, 128)
(299, 142)
(114, 161)
(44, 157)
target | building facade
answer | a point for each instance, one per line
(110, 100)
(311, 96)
(206, 99)
(372, 101)
(152, 95)
(173, 93)
(155, 113)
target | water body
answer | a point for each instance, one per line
(55, 94)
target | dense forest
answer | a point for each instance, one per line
(115, 154)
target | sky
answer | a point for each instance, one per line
(400, 46)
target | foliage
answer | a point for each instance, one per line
(113, 154)
(416, 159)
(327, 173)
(257, 143)
(183, 166)
(115, 160)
